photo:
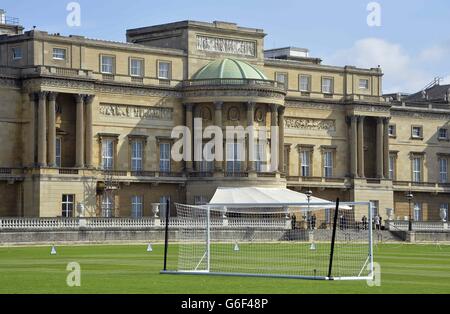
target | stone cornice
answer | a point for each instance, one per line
(43, 83)
(87, 42)
(421, 114)
(319, 67)
(202, 26)
(321, 104)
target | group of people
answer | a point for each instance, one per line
(311, 221)
(377, 222)
(343, 224)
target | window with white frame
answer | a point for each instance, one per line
(137, 67)
(67, 205)
(327, 85)
(443, 134)
(417, 169)
(417, 132)
(305, 83)
(260, 161)
(108, 154)
(137, 148)
(59, 53)
(137, 205)
(392, 130)
(107, 64)
(392, 166)
(164, 205)
(328, 164)
(164, 70)
(443, 170)
(281, 78)
(233, 157)
(418, 212)
(58, 149)
(164, 157)
(17, 53)
(305, 160)
(107, 205)
(363, 84)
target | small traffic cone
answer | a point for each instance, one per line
(236, 247)
(313, 247)
(53, 251)
(149, 248)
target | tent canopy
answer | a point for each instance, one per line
(248, 196)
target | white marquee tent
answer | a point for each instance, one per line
(268, 197)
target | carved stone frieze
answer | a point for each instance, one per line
(226, 45)
(309, 124)
(138, 112)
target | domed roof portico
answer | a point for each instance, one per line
(228, 68)
(232, 80)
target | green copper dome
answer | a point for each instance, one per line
(229, 69)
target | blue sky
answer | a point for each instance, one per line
(412, 44)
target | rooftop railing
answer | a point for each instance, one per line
(234, 82)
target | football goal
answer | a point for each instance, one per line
(329, 241)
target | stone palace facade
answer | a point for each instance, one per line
(85, 125)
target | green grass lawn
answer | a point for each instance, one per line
(130, 269)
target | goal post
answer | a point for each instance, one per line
(326, 241)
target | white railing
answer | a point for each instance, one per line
(61, 224)
(403, 225)
(74, 223)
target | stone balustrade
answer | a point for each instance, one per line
(403, 225)
(75, 224)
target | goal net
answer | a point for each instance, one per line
(301, 241)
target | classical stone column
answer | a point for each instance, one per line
(197, 147)
(188, 141)
(353, 146)
(379, 144)
(386, 147)
(361, 169)
(32, 134)
(79, 132)
(218, 120)
(251, 164)
(281, 111)
(274, 138)
(42, 126)
(89, 131)
(52, 129)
